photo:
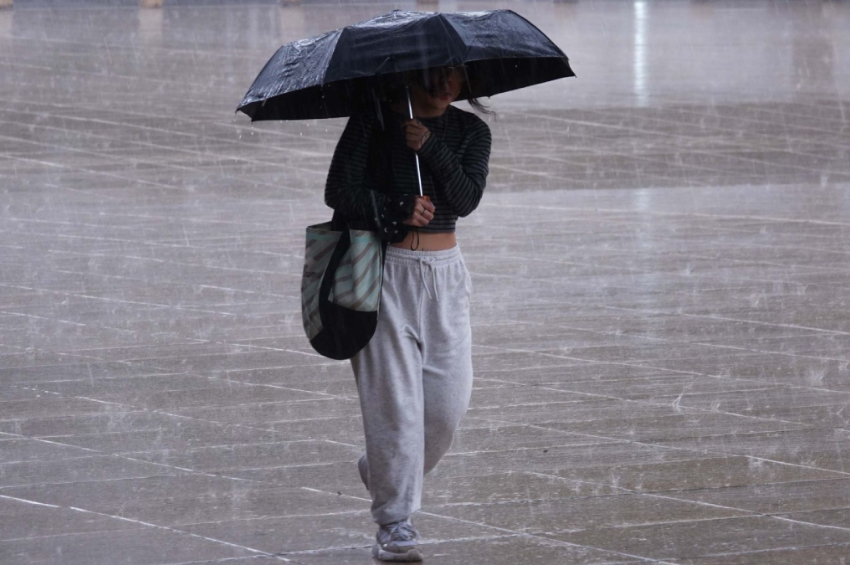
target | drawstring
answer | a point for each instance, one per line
(423, 261)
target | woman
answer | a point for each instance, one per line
(415, 376)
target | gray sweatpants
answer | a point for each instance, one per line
(415, 376)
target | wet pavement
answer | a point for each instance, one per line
(660, 313)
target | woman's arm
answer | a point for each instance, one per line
(462, 177)
(346, 190)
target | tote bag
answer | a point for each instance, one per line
(341, 288)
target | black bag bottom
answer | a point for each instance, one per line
(345, 331)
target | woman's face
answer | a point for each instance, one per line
(442, 86)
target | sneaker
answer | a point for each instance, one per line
(397, 542)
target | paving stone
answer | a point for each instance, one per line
(247, 504)
(92, 467)
(554, 517)
(267, 414)
(188, 434)
(825, 516)
(508, 486)
(815, 448)
(487, 550)
(350, 529)
(716, 538)
(159, 546)
(22, 450)
(23, 520)
(117, 492)
(833, 553)
(693, 472)
(779, 498)
(676, 426)
(338, 476)
(112, 421)
(249, 456)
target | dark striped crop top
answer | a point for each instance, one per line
(372, 179)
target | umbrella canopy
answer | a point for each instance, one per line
(336, 74)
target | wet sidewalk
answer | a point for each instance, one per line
(660, 313)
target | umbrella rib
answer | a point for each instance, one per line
(450, 28)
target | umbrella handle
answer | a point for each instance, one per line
(418, 171)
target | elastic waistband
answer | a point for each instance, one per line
(401, 255)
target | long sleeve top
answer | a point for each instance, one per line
(372, 177)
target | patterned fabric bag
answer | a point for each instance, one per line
(341, 288)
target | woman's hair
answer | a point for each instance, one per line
(466, 92)
(479, 107)
(422, 79)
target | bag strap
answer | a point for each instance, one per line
(338, 223)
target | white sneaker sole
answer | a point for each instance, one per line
(411, 555)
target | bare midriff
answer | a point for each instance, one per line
(423, 241)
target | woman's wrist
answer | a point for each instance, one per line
(427, 141)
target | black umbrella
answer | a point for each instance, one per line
(336, 74)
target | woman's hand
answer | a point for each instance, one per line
(416, 134)
(423, 212)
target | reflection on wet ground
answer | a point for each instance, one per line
(660, 312)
